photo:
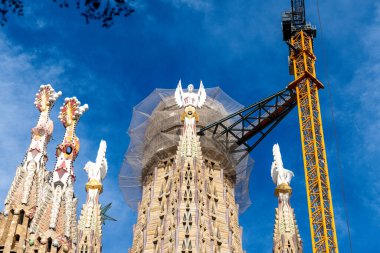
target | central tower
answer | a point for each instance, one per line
(189, 185)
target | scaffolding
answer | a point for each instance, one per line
(154, 135)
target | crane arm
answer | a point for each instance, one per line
(252, 123)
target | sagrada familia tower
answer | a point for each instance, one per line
(187, 189)
(191, 191)
(40, 208)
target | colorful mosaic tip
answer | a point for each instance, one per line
(71, 111)
(46, 97)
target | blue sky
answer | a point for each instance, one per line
(235, 45)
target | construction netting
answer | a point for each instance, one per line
(154, 135)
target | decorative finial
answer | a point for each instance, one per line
(97, 171)
(280, 176)
(71, 111)
(46, 97)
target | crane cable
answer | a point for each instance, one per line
(339, 162)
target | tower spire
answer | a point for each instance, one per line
(55, 218)
(90, 222)
(25, 193)
(286, 237)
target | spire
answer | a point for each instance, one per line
(67, 151)
(36, 157)
(26, 191)
(55, 219)
(90, 222)
(286, 236)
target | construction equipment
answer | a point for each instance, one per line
(253, 123)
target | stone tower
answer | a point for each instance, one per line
(90, 222)
(26, 190)
(188, 183)
(53, 227)
(286, 237)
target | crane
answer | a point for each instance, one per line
(255, 122)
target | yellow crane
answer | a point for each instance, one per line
(299, 36)
(243, 131)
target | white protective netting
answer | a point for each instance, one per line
(154, 135)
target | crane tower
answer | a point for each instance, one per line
(299, 36)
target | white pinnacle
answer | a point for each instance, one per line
(278, 173)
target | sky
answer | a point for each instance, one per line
(236, 45)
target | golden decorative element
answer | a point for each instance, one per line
(94, 184)
(283, 188)
(190, 112)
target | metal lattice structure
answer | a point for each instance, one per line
(306, 85)
(252, 123)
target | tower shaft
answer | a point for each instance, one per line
(306, 84)
(286, 236)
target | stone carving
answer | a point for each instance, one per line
(190, 98)
(96, 172)
(278, 173)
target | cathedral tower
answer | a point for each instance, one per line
(25, 194)
(286, 237)
(189, 183)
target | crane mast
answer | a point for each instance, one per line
(299, 37)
